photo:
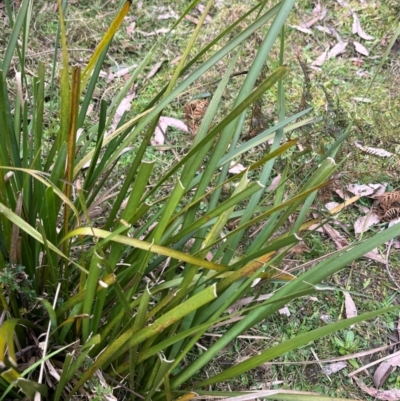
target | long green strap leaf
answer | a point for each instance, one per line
(136, 243)
(296, 342)
(315, 275)
(131, 338)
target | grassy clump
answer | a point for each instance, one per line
(123, 273)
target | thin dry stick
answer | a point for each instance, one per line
(385, 358)
(38, 396)
(317, 360)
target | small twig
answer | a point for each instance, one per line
(385, 358)
(38, 396)
(201, 347)
(387, 264)
(317, 360)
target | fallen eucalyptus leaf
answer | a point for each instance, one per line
(236, 168)
(334, 367)
(162, 127)
(383, 371)
(339, 48)
(361, 48)
(384, 395)
(365, 222)
(358, 30)
(275, 183)
(350, 306)
(302, 29)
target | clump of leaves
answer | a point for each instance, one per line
(143, 283)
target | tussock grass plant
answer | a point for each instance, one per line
(87, 303)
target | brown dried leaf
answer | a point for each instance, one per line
(311, 22)
(162, 127)
(125, 105)
(342, 194)
(275, 183)
(339, 48)
(284, 311)
(299, 249)
(395, 361)
(320, 59)
(192, 19)
(201, 8)
(358, 62)
(382, 372)
(362, 189)
(396, 244)
(156, 32)
(302, 29)
(320, 14)
(358, 30)
(392, 223)
(155, 69)
(159, 137)
(175, 60)
(380, 188)
(120, 73)
(337, 238)
(334, 367)
(365, 222)
(362, 99)
(361, 48)
(374, 255)
(131, 28)
(236, 168)
(324, 29)
(313, 227)
(350, 306)
(384, 395)
(171, 14)
(331, 205)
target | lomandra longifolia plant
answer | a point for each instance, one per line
(92, 299)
